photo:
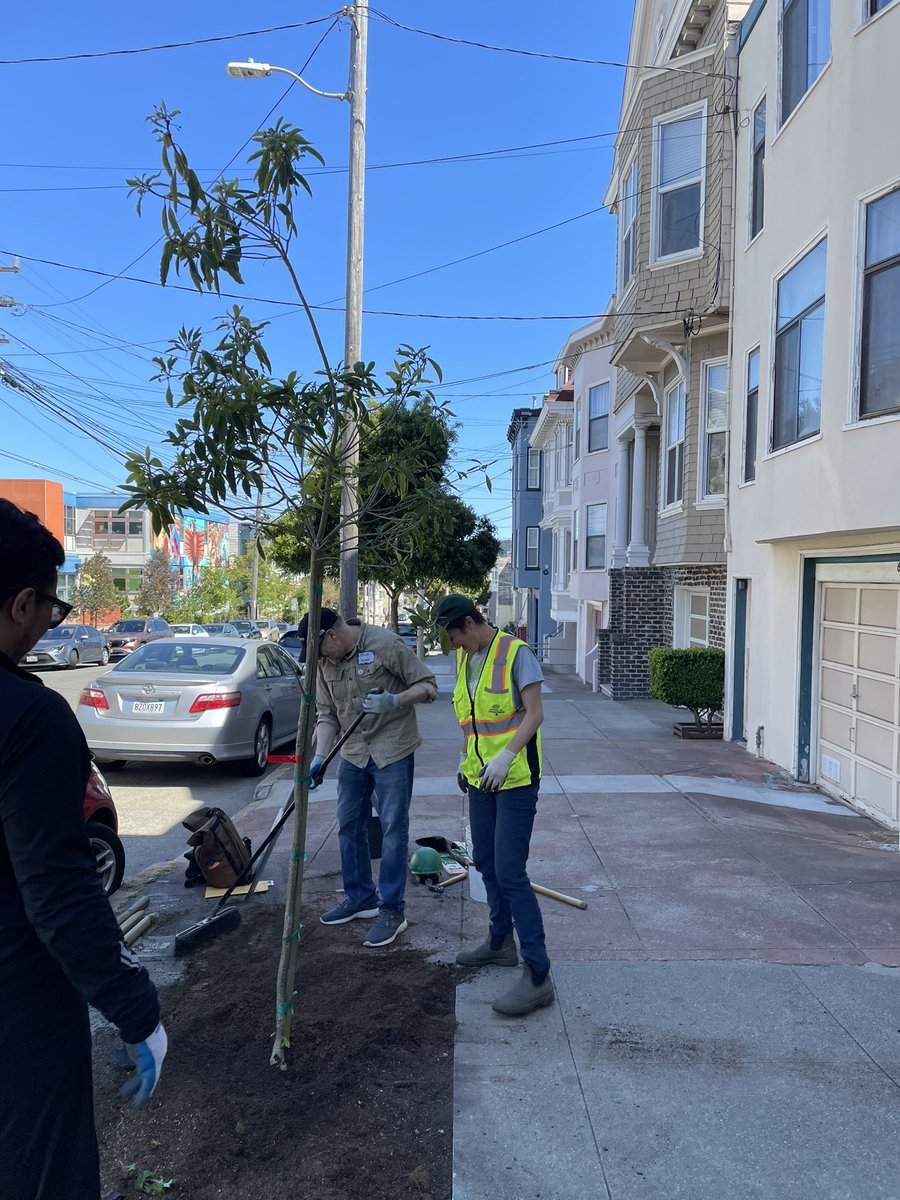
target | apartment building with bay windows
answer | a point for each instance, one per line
(671, 190)
(814, 512)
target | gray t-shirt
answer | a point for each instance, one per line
(525, 669)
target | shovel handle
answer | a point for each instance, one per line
(561, 896)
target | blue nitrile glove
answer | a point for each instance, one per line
(147, 1059)
(317, 769)
(379, 701)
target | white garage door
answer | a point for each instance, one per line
(858, 750)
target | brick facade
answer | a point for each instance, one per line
(638, 614)
(641, 617)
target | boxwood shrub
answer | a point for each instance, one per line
(693, 679)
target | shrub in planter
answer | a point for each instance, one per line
(693, 679)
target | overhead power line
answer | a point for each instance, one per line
(223, 37)
(372, 312)
(569, 58)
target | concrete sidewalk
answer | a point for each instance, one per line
(727, 1024)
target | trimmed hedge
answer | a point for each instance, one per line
(693, 679)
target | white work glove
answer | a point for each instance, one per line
(493, 774)
(147, 1059)
(379, 701)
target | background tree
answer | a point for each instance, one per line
(209, 598)
(279, 592)
(443, 542)
(247, 434)
(96, 593)
(159, 585)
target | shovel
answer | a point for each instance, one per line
(222, 919)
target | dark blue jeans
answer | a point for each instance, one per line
(501, 825)
(391, 789)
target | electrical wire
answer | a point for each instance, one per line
(568, 58)
(372, 312)
(207, 41)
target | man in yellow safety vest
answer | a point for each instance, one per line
(497, 699)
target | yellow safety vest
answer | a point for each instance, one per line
(489, 719)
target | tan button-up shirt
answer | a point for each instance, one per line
(380, 659)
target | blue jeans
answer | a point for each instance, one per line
(391, 788)
(501, 824)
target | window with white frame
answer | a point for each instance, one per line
(595, 537)
(628, 199)
(562, 455)
(805, 48)
(577, 430)
(575, 539)
(69, 522)
(879, 391)
(758, 169)
(799, 348)
(875, 6)
(751, 416)
(691, 624)
(532, 546)
(675, 443)
(534, 470)
(679, 165)
(598, 417)
(714, 414)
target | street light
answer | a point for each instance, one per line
(356, 95)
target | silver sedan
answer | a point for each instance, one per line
(200, 700)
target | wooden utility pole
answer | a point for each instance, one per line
(359, 18)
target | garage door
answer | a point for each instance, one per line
(858, 737)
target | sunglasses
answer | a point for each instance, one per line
(59, 610)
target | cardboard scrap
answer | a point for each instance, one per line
(212, 893)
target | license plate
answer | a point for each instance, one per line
(31, 658)
(148, 706)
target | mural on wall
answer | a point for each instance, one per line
(192, 544)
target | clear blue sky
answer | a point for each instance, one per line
(75, 130)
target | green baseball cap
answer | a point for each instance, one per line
(453, 608)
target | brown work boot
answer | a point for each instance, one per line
(525, 996)
(485, 956)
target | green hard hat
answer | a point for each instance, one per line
(425, 865)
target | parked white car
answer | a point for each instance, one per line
(188, 629)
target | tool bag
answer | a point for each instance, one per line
(219, 852)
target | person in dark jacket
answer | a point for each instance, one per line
(60, 944)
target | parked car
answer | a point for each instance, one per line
(202, 700)
(294, 644)
(188, 629)
(268, 628)
(247, 629)
(129, 633)
(223, 629)
(68, 646)
(406, 630)
(101, 822)
(283, 627)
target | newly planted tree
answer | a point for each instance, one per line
(246, 433)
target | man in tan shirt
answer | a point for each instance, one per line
(367, 669)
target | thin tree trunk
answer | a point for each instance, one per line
(395, 604)
(287, 963)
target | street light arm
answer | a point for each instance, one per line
(309, 87)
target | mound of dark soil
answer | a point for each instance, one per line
(364, 1109)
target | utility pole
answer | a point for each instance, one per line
(349, 560)
(254, 574)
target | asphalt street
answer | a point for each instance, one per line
(152, 801)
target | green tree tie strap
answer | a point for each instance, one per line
(296, 856)
(294, 935)
(287, 1007)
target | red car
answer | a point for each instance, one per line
(101, 821)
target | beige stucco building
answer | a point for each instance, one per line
(814, 454)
